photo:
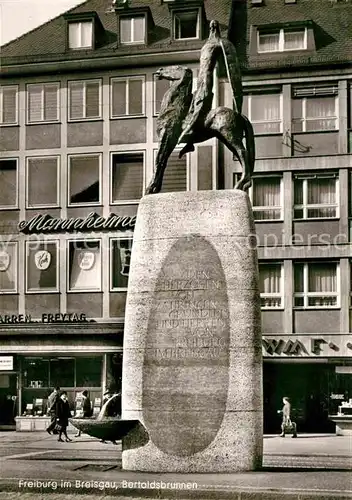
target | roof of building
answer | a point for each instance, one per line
(48, 41)
(331, 21)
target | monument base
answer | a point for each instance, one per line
(192, 365)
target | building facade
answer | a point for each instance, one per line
(78, 105)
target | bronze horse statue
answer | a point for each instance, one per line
(189, 119)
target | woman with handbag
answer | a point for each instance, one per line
(63, 413)
(287, 425)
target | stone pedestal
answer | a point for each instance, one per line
(192, 365)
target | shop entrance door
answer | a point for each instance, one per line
(8, 398)
(308, 387)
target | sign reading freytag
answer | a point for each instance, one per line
(46, 224)
(6, 363)
(45, 318)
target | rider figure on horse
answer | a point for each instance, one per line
(203, 96)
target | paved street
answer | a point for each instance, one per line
(311, 466)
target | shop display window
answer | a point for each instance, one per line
(35, 373)
(72, 374)
(84, 266)
(62, 372)
(88, 371)
(8, 268)
(120, 263)
(42, 268)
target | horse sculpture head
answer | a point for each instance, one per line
(175, 73)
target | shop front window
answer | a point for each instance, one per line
(42, 268)
(72, 374)
(36, 373)
(8, 267)
(62, 372)
(120, 263)
(84, 266)
(88, 372)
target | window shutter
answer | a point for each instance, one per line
(127, 177)
(328, 175)
(50, 102)
(175, 178)
(8, 114)
(76, 100)
(315, 91)
(35, 103)
(92, 100)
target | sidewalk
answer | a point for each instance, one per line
(311, 466)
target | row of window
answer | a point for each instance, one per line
(316, 196)
(186, 25)
(309, 111)
(316, 285)
(84, 100)
(84, 269)
(84, 179)
(313, 109)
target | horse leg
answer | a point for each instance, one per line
(245, 181)
(239, 151)
(164, 151)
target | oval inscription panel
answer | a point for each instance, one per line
(186, 359)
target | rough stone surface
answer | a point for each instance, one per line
(192, 346)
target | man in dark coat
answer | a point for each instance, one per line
(51, 409)
(63, 413)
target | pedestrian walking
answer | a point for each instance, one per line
(63, 413)
(86, 408)
(51, 409)
(287, 425)
(114, 407)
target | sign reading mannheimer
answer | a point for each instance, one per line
(46, 224)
